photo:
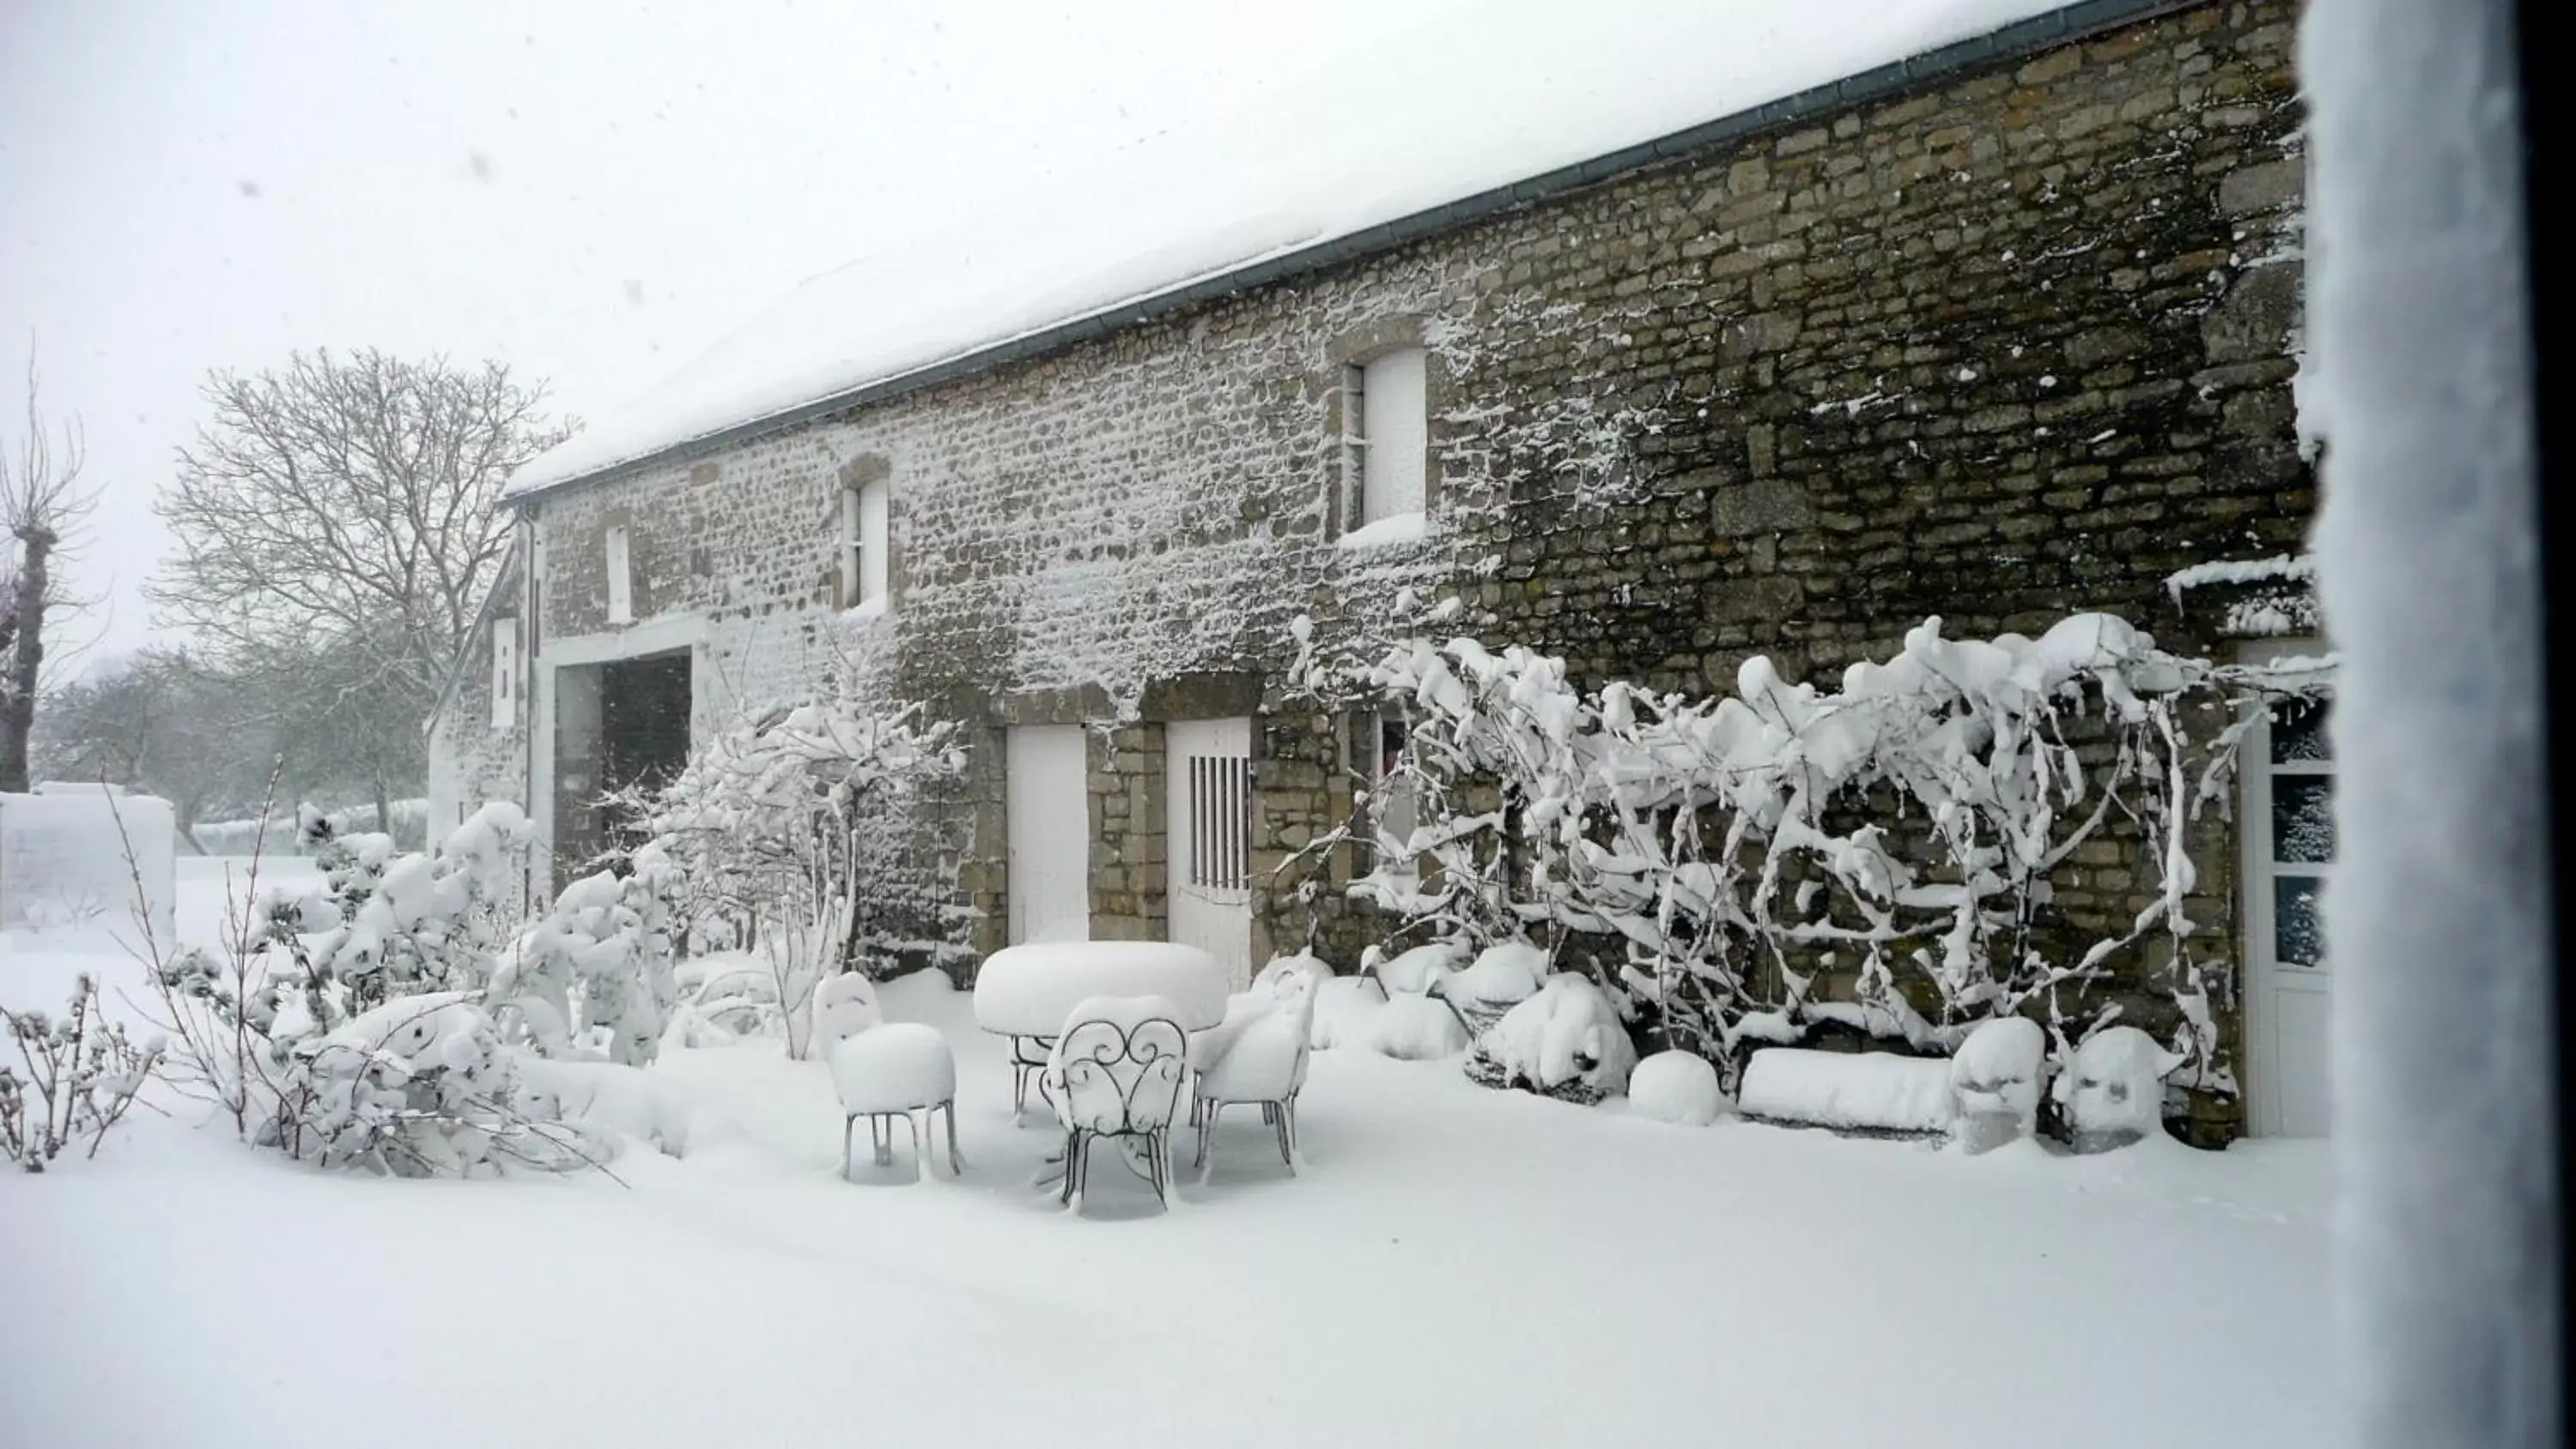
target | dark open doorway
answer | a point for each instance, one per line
(618, 724)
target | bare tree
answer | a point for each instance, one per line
(45, 506)
(347, 507)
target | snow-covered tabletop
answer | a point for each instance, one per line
(1029, 990)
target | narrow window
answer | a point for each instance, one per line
(1398, 812)
(505, 671)
(1389, 434)
(863, 545)
(621, 584)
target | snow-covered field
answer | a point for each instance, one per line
(1452, 1266)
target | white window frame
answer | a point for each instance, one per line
(1386, 435)
(621, 577)
(867, 518)
(505, 671)
(2258, 870)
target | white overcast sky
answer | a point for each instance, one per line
(590, 192)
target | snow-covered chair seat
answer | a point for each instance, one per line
(891, 1070)
(1257, 1055)
(1116, 1070)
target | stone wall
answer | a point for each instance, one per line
(2016, 345)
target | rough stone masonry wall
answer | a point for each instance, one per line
(2011, 347)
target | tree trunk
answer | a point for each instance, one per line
(27, 660)
(384, 807)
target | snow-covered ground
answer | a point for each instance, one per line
(1452, 1266)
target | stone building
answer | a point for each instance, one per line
(1999, 331)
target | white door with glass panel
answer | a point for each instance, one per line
(2289, 841)
(1050, 834)
(1209, 849)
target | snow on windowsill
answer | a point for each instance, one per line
(1394, 528)
(866, 609)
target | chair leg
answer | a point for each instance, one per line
(912, 1130)
(848, 1125)
(1280, 1117)
(881, 1137)
(1074, 1145)
(956, 1164)
(1207, 1131)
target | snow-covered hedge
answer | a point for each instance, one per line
(1713, 858)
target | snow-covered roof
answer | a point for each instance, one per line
(1521, 101)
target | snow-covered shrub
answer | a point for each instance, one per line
(1996, 1076)
(1418, 969)
(775, 822)
(1713, 857)
(418, 1086)
(607, 944)
(81, 1073)
(1346, 1009)
(1415, 1027)
(397, 923)
(2112, 1090)
(1501, 977)
(265, 1028)
(1565, 1042)
(1676, 1086)
(724, 998)
(605, 1103)
(1869, 1092)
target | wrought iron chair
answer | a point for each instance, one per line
(1263, 1060)
(1117, 1071)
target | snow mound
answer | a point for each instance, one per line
(622, 1101)
(1678, 1087)
(1503, 975)
(1997, 1068)
(1566, 1042)
(1346, 1008)
(1862, 1091)
(1422, 967)
(1412, 1027)
(2113, 1089)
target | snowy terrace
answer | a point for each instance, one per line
(1452, 1265)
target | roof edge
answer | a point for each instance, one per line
(2071, 23)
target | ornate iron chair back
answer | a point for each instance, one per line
(1110, 1078)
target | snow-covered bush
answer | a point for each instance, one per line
(397, 923)
(603, 1103)
(418, 1086)
(2112, 1090)
(1996, 1075)
(1712, 860)
(1565, 1042)
(272, 1028)
(774, 824)
(1870, 1092)
(1417, 969)
(606, 945)
(1676, 1086)
(1346, 1009)
(81, 1073)
(1415, 1027)
(1501, 977)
